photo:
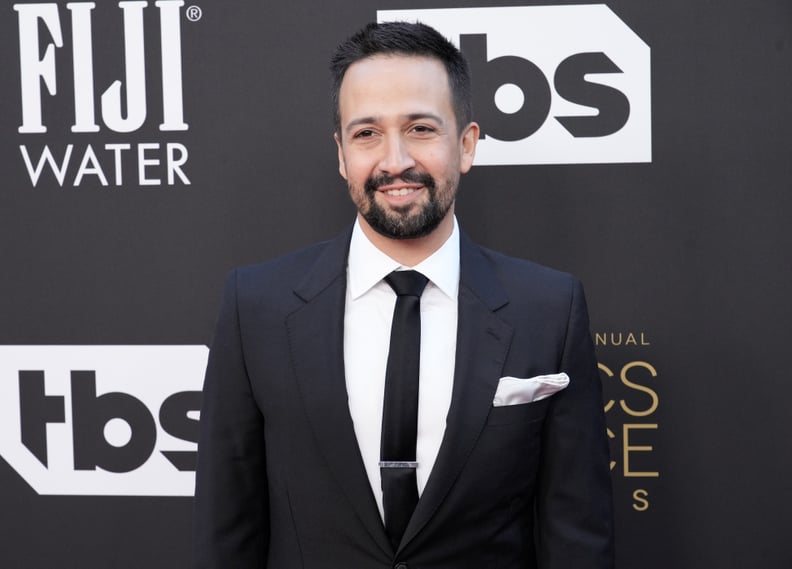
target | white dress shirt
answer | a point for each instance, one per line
(367, 322)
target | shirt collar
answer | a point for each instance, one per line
(367, 265)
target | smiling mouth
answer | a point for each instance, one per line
(399, 191)
(400, 187)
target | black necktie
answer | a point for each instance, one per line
(400, 408)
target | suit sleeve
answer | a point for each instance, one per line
(231, 517)
(574, 505)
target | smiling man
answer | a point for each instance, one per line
(399, 396)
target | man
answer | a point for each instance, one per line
(293, 470)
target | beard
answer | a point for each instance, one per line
(403, 222)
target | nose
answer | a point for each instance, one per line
(396, 156)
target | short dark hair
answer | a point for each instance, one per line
(408, 39)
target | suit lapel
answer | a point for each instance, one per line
(483, 341)
(316, 337)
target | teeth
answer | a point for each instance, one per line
(400, 192)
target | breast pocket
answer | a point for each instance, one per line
(522, 413)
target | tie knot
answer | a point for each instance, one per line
(407, 283)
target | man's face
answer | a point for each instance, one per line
(399, 148)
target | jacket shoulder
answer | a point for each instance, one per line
(522, 274)
(288, 268)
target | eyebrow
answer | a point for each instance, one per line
(410, 117)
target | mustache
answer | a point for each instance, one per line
(410, 176)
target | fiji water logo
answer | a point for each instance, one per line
(51, 36)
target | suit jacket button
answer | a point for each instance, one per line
(401, 566)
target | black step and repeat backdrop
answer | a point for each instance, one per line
(146, 147)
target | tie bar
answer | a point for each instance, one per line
(397, 464)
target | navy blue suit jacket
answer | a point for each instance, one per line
(280, 481)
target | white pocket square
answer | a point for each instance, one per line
(517, 390)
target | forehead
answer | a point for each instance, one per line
(388, 84)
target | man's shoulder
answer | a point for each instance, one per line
(526, 286)
(293, 262)
(325, 259)
(523, 271)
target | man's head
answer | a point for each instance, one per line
(404, 138)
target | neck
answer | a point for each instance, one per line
(410, 252)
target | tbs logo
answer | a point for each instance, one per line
(102, 420)
(551, 84)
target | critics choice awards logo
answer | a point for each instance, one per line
(630, 384)
(552, 84)
(89, 109)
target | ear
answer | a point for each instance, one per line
(341, 162)
(469, 140)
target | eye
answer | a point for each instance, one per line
(423, 131)
(365, 133)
